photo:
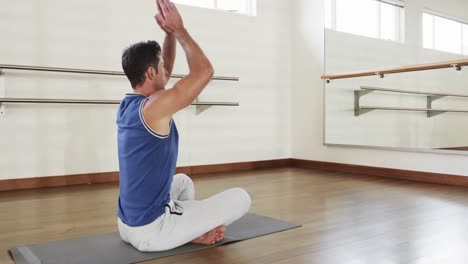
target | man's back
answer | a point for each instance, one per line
(147, 164)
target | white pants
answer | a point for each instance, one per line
(185, 219)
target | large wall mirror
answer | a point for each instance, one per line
(420, 110)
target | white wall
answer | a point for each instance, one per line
(277, 55)
(307, 113)
(47, 140)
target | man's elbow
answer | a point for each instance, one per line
(206, 73)
(209, 71)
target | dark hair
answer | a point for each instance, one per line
(137, 58)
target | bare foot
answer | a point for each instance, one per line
(211, 237)
(220, 233)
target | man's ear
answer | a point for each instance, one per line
(150, 74)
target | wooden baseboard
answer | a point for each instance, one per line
(456, 148)
(55, 181)
(429, 177)
(233, 167)
(108, 177)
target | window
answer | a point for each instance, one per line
(247, 7)
(465, 39)
(371, 18)
(445, 34)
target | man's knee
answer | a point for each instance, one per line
(182, 188)
(243, 197)
(183, 179)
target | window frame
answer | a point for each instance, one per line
(462, 22)
(400, 22)
(251, 9)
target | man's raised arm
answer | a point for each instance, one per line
(188, 88)
(169, 46)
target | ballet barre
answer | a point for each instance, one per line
(200, 106)
(95, 72)
(457, 65)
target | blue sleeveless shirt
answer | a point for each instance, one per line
(147, 163)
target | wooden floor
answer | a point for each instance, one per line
(346, 218)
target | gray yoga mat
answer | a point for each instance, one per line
(110, 249)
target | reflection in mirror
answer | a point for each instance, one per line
(416, 109)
